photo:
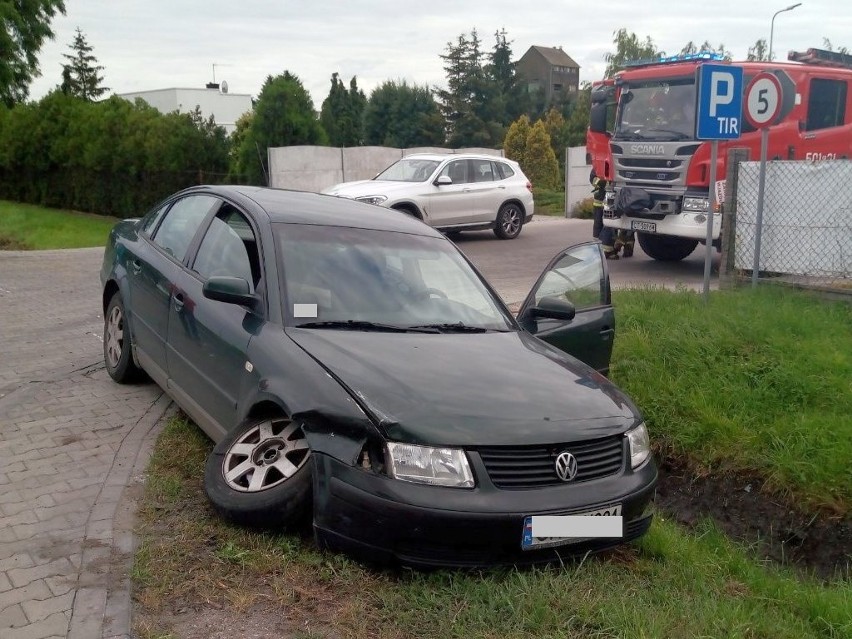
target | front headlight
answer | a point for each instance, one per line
(426, 465)
(701, 204)
(640, 445)
(372, 199)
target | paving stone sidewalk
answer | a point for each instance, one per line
(73, 446)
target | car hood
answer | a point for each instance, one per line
(363, 188)
(470, 389)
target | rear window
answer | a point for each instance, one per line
(504, 170)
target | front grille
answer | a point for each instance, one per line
(533, 466)
(661, 176)
(650, 163)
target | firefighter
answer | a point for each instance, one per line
(599, 231)
(624, 242)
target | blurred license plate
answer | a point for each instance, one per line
(528, 542)
(651, 227)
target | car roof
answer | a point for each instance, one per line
(302, 207)
(458, 156)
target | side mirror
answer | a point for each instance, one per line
(231, 290)
(554, 308)
(597, 118)
(443, 180)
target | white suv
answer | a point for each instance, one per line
(451, 192)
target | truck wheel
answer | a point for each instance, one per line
(666, 248)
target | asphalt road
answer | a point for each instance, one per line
(512, 266)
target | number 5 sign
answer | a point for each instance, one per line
(763, 100)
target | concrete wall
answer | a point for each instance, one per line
(577, 187)
(315, 168)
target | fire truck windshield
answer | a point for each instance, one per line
(656, 110)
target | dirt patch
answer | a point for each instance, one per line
(11, 244)
(778, 529)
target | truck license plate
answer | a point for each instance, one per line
(650, 227)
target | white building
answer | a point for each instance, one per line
(225, 107)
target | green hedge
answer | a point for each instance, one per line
(112, 157)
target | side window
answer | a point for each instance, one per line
(457, 171)
(504, 170)
(229, 248)
(151, 220)
(826, 104)
(577, 277)
(181, 224)
(482, 171)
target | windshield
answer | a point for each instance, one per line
(357, 276)
(409, 170)
(658, 110)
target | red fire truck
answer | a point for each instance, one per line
(642, 135)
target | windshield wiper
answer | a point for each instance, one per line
(360, 325)
(680, 135)
(457, 327)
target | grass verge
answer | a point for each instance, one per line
(29, 227)
(756, 380)
(549, 202)
(671, 584)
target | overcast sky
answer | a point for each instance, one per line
(154, 44)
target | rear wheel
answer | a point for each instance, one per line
(510, 219)
(260, 474)
(666, 248)
(118, 355)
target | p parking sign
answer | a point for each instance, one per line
(720, 102)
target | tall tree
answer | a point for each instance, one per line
(629, 47)
(283, 116)
(759, 52)
(826, 43)
(511, 97)
(25, 27)
(467, 102)
(80, 75)
(691, 47)
(342, 113)
(403, 116)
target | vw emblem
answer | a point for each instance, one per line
(566, 466)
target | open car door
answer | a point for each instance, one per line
(570, 306)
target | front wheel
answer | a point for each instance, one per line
(260, 474)
(510, 219)
(666, 248)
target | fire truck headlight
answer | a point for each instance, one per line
(699, 204)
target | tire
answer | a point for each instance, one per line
(259, 475)
(510, 219)
(118, 348)
(666, 248)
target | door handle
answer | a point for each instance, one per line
(179, 301)
(502, 188)
(465, 190)
(135, 266)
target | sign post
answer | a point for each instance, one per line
(763, 103)
(720, 108)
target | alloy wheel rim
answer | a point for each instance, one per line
(512, 222)
(265, 456)
(114, 336)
